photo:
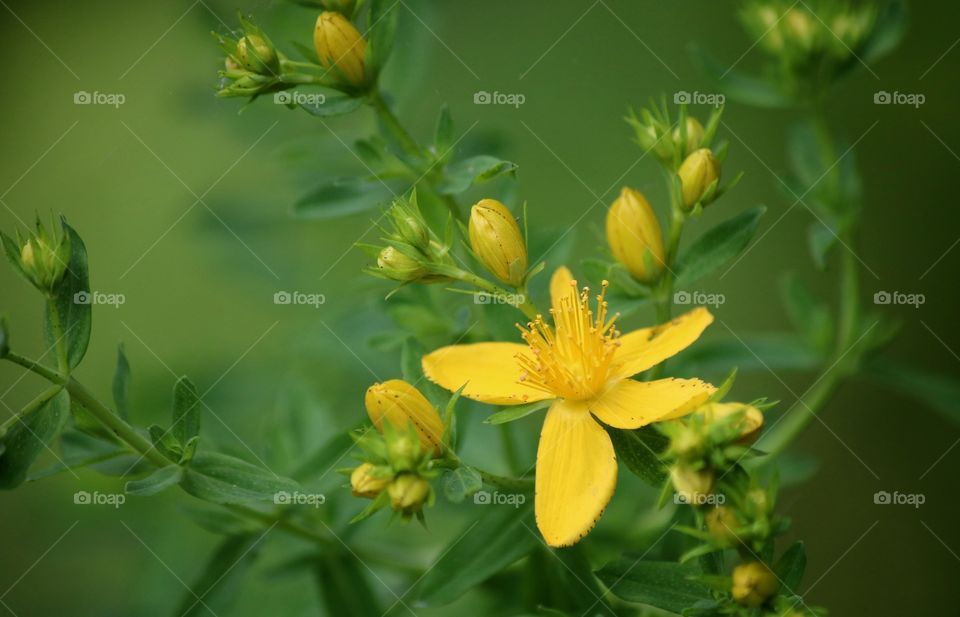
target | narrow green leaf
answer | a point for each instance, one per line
(159, 480)
(29, 437)
(185, 424)
(739, 86)
(221, 581)
(486, 547)
(333, 106)
(509, 414)
(461, 175)
(121, 383)
(665, 585)
(443, 134)
(640, 451)
(719, 245)
(224, 479)
(343, 196)
(460, 483)
(343, 582)
(382, 30)
(323, 460)
(72, 302)
(809, 316)
(790, 567)
(940, 392)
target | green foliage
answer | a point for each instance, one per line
(23, 442)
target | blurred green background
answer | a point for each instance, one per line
(198, 278)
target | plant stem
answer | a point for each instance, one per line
(63, 362)
(392, 123)
(30, 407)
(35, 367)
(526, 305)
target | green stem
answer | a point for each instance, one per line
(30, 407)
(391, 121)
(520, 485)
(56, 329)
(526, 305)
(35, 367)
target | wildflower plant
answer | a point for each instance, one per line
(608, 398)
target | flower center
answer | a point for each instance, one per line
(572, 359)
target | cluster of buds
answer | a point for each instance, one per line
(413, 253)
(707, 442)
(808, 44)
(398, 457)
(253, 65)
(497, 242)
(41, 257)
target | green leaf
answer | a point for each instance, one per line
(461, 175)
(411, 368)
(719, 245)
(509, 414)
(460, 483)
(486, 547)
(888, 31)
(343, 196)
(640, 451)
(665, 585)
(221, 581)
(224, 479)
(820, 239)
(443, 134)
(163, 478)
(333, 106)
(764, 353)
(790, 567)
(739, 86)
(186, 411)
(25, 440)
(381, 32)
(121, 383)
(940, 392)
(71, 302)
(810, 317)
(4, 337)
(344, 584)
(11, 248)
(325, 458)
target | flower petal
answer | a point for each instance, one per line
(642, 349)
(490, 371)
(632, 404)
(576, 473)
(560, 286)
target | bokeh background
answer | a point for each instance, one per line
(185, 204)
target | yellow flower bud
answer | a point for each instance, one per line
(364, 483)
(257, 55)
(694, 135)
(800, 28)
(400, 403)
(721, 522)
(633, 234)
(749, 424)
(697, 173)
(44, 258)
(27, 258)
(398, 266)
(692, 485)
(497, 241)
(408, 493)
(772, 37)
(753, 584)
(339, 44)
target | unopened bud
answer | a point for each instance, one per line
(399, 267)
(721, 522)
(633, 234)
(748, 423)
(698, 173)
(692, 485)
(401, 404)
(497, 241)
(753, 584)
(694, 135)
(256, 55)
(365, 483)
(340, 48)
(408, 493)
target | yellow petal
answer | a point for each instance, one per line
(642, 349)
(490, 370)
(560, 286)
(401, 403)
(632, 404)
(576, 473)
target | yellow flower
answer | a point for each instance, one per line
(340, 44)
(584, 365)
(496, 239)
(633, 234)
(697, 172)
(401, 403)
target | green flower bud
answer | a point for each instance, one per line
(364, 482)
(697, 173)
(694, 135)
(408, 493)
(257, 55)
(44, 258)
(753, 584)
(693, 486)
(399, 267)
(721, 521)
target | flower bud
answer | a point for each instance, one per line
(697, 173)
(721, 522)
(365, 483)
(688, 443)
(801, 28)
(692, 485)
(257, 55)
(399, 267)
(497, 241)
(402, 404)
(44, 258)
(748, 424)
(340, 48)
(694, 135)
(753, 584)
(408, 493)
(633, 234)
